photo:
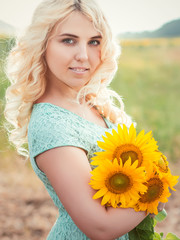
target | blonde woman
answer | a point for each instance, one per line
(59, 102)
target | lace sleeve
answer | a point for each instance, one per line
(50, 129)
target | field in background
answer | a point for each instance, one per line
(148, 79)
(5, 46)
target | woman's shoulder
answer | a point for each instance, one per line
(47, 118)
(51, 126)
(47, 110)
(47, 114)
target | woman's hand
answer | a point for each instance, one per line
(161, 206)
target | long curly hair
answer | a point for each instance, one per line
(26, 68)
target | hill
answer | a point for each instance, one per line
(6, 29)
(169, 29)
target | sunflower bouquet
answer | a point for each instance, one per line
(131, 172)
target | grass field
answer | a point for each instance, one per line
(148, 79)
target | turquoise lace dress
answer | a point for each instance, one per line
(51, 126)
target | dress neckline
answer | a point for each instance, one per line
(78, 116)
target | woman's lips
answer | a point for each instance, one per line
(79, 69)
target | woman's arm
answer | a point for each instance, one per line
(68, 171)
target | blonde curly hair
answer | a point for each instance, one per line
(26, 67)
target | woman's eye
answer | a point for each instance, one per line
(68, 41)
(94, 42)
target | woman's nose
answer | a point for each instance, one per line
(82, 53)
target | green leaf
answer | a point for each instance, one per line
(157, 236)
(138, 234)
(171, 236)
(161, 216)
(155, 222)
(162, 234)
(143, 231)
(147, 224)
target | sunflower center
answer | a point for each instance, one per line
(118, 183)
(154, 192)
(162, 164)
(125, 156)
(128, 150)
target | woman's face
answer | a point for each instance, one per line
(73, 54)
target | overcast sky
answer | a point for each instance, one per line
(123, 15)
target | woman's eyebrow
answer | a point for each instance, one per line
(68, 35)
(74, 36)
(99, 36)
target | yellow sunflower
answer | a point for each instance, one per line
(157, 191)
(124, 144)
(162, 164)
(171, 180)
(118, 184)
(165, 172)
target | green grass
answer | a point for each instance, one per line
(5, 46)
(148, 79)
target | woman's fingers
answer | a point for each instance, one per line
(161, 206)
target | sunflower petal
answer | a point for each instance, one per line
(106, 198)
(100, 193)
